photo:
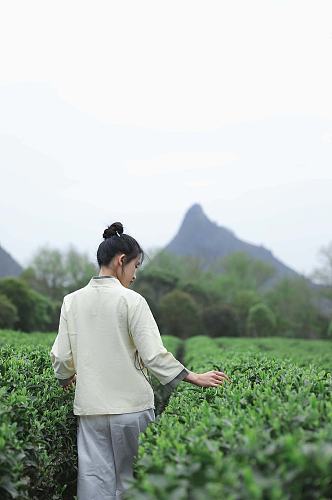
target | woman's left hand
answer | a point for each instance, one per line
(70, 383)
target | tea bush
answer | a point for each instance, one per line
(265, 435)
(38, 455)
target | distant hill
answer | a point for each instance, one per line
(200, 237)
(8, 265)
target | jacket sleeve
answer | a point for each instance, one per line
(146, 337)
(176, 380)
(61, 354)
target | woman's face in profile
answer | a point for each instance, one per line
(129, 275)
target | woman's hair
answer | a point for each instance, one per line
(115, 241)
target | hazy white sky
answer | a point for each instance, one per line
(133, 111)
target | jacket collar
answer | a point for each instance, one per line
(104, 281)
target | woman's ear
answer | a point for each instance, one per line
(121, 258)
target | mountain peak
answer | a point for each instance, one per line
(195, 215)
(8, 266)
(198, 236)
(196, 208)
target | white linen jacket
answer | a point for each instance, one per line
(101, 326)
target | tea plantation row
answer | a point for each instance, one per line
(38, 455)
(265, 435)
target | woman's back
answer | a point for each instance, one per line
(101, 326)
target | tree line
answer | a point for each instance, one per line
(187, 300)
(32, 301)
(229, 298)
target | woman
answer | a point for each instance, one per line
(105, 330)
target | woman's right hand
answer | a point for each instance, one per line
(212, 378)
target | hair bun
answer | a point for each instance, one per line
(111, 230)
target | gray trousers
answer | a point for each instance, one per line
(106, 448)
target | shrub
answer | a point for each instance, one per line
(179, 315)
(265, 435)
(159, 281)
(243, 300)
(329, 330)
(200, 293)
(38, 428)
(292, 300)
(35, 312)
(221, 320)
(261, 321)
(8, 312)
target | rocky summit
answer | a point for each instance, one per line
(198, 236)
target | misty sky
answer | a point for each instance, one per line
(133, 111)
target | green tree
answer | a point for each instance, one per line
(224, 287)
(200, 291)
(292, 301)
(8, 312)
(46, 312)
(221, 320)
(179, 315)
(34, 311)
(79, 269)
(159, 281)
(329, 330)
(19, 294)
(261, 321)
(55, 273)
(323, 274)
(165, 261)
(243, 300)
(46, 273)
(248, 272)
(184, 267)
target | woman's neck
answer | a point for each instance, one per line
(106, 273)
